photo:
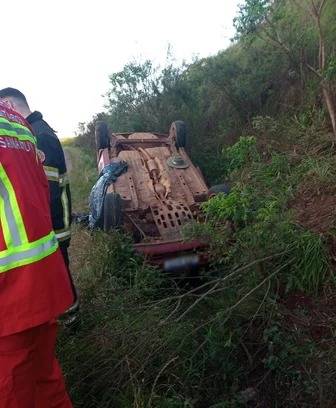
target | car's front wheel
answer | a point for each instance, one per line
(101, 135)
(179, 131)
(112, 212)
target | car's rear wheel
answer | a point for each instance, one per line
(101, 135)
(112, 212)
(180, 130)
(219, 188)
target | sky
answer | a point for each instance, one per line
(60, 53)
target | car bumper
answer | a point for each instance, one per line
(167, 252)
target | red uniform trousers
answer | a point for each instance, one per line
(30, 376)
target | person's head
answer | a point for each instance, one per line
(16, 100)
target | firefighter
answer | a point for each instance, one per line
(34, 283)
(52, 157)
(53, 160)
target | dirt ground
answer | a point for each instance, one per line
(315, 209)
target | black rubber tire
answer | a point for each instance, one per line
(102, 135)
(219, 188)
(181, 133)
(113, 218)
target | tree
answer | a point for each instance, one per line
(323, 72)
(141, 96)
(130, 96)
(266, 19)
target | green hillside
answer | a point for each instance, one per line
(258, 329)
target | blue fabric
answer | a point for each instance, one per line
(108, 175)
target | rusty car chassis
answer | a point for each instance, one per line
(160, 192)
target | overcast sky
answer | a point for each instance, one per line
(61, 53)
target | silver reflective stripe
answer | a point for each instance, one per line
(51, 173)
(10, 219)
(64, 234)
(29, 253)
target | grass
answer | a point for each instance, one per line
(234, 337)
(83, 175)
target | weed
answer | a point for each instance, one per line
(311, 268)
(242, 153)
(83, 175)
(235, 207)
(310, 119)
(265, 125)
(318, 170)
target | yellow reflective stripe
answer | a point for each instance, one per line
(19, 250)
(10, 215)
(27, 246)
(52, 173)
(28, 253)
(4, 223)
(50, 168)
(14, 129)
(52, 178)
(14, 124)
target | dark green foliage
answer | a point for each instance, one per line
(242, 153)
(251, 16)
(140, 97)
(257, 208)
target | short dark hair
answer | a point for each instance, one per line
(13, 93)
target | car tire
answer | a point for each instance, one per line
(112, 212)
(102, 135)
(219, 188)
(180, 133)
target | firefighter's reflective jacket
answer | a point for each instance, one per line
(34, 284)
(52, 156)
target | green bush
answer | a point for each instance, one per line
(244, 152)
(261, 223)
(236, 206)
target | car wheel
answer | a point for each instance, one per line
(101, 135)
(219, 188)
(180, 130)
(112, 212)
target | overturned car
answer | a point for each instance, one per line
(149, 187)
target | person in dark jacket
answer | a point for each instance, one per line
(52, 157)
